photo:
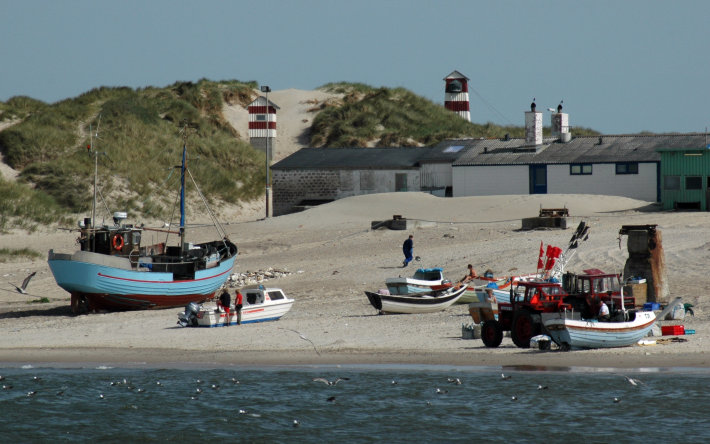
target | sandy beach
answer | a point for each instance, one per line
(333, 257)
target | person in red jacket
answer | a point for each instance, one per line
(238, 307)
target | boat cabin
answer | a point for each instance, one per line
(255, 296)
(594, 283)
(429, 274)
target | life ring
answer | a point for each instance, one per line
(117, 242)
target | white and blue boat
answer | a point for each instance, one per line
(424, 280)
(113, 271)
(574, 334)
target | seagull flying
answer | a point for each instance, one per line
(633, 381)
(326, 382)
(304, 338)
(22, 288)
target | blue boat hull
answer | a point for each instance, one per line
(112, 288)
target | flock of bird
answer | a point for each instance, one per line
(202, 386)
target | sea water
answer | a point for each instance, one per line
(369, 404)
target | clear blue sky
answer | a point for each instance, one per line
(621, 66)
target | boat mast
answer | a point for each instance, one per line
(182, 189)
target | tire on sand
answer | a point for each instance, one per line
(491, 333)
(523, 328)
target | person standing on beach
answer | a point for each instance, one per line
(408, 250)
(223, 303)
(238, 307)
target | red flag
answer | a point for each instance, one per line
(539, 258)
(556, 252)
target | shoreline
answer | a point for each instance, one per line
(520, 359)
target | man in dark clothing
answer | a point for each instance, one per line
(224, 301)
(238, 307)
(408, 250)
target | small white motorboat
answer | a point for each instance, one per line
(259, 305)
(424, 280)
(415, 303)
(580, 333)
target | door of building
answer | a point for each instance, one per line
(538, 179)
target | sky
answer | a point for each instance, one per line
(620, 66)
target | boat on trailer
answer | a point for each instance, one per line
(415, 303)
(260, 305)
(113, 270)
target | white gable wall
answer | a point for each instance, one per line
(493, 180)
(604, 181)
(490, 180)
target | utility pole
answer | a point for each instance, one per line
(266, 90)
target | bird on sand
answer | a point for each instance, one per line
(326, 382)
(22, 288)
(303, 337)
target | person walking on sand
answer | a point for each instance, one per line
(408, 250)
(238, 307)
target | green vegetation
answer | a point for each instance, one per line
(136, 135)
(139, 131)
(8, 253)
(395, 117)
(42, 300)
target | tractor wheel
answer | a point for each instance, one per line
(523, 328)
(492, 334)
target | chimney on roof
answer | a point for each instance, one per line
(559, 124)
(533, 126)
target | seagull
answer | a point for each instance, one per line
(456, 381)
(242, 412)
(6, 387)
(541, 387)
(326, 382)
(617, 400)
(101, 396)
(32, 393)
(2, 378)
(633, 381)
(304, 338)
(513, 398)
(503, 376)
(23, 287)
(394, 382)
(296, 423)
(141, 390)
(331, 399)
(441, 392)
(158, 383)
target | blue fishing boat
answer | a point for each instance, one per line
(113, 271)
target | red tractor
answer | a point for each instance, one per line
(531, 302)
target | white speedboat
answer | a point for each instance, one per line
(580, 333)
(259, 305)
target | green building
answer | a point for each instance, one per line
(685, 173)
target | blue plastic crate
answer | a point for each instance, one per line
(650, 306)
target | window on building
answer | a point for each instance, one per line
(627, 168)
(693, 183)
(580, 168)
(261, 117)
(671, 183)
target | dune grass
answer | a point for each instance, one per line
(139, 141)
(19, 253)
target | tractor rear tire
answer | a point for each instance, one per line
(523, 328)
(492, 334)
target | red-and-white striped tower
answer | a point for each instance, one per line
(456, 98)
(262, 124)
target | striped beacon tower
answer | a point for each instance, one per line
(456, 98)
(262, 124)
